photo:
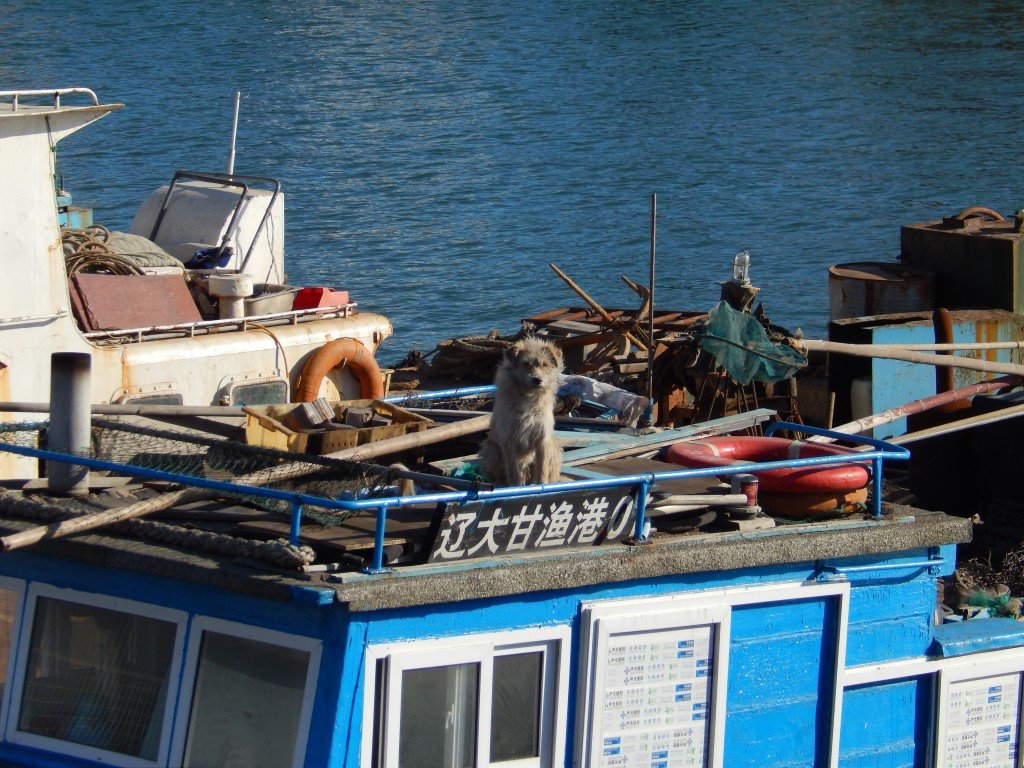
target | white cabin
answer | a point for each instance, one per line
(230, 349)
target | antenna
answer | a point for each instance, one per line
(234, 134)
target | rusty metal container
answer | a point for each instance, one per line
(976, 256)
(863, 288)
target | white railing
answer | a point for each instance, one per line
(55, 93)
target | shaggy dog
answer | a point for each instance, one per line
(520, 447)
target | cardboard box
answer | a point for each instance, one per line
(267, 425)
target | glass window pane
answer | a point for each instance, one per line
(8, 604)
(97, 677)
(247, 704)
(438, 717)
(515, 708)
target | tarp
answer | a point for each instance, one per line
(740, 345)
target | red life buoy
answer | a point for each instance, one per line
(730, 451)
(354, 355)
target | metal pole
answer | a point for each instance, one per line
(650, 324)
(234, 134)
(70, 420)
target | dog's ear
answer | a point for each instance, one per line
(511, 355)
(554, 355)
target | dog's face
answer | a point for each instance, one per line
(534, 363)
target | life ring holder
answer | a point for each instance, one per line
(730, 451)
(348, 353)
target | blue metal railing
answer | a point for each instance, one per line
(879, 452)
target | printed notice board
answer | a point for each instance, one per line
(653, 687)
(980, 721)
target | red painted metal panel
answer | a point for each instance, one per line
(109, 302)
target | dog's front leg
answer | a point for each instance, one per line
(547, 466)
(514, 470)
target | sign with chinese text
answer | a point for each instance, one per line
(982, 717)
(530, 523)
(657, 698)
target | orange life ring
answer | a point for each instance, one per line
(354, 355)
(730, 451)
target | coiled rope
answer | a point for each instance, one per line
(86, 250)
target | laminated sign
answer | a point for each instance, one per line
(508, 526)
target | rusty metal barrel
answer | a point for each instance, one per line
(865, 288)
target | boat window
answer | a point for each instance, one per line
(97, 677)
(251, 698)
(260, 393)
(485, 702)
(164, 398)
(516, 706)
(438, 722)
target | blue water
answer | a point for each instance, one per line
(436, 156)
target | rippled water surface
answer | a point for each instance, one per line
(436, 156)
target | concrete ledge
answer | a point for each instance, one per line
(706, 553)
(903, 529)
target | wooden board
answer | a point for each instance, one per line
(635, 466)
(404, 525)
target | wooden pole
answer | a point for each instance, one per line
(596, 307)
(888, 352)
(274, 474)
(979, 345)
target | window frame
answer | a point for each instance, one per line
(675, 610)
(202, 624)
(16, 689)
(480, 648)
(18, 587)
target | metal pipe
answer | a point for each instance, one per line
(128, 409)
(296, 522)
(641, 512)
(234, 134)
(650, 319)
(70, 420)
(921, 404)
(887, 352)
(933, 562)
(442, 394)
(378, 542)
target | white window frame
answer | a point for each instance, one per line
(69, 748)
(481, 649)
(680, 610)
(17, 586)
(976, 667)
(203, 624)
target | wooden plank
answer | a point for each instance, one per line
(642, 443)
(637, 466)
(404, 525)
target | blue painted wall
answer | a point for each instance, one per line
(782, 655)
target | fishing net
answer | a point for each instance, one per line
(741, 346)
(191, 455)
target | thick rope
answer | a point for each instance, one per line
(278, 552)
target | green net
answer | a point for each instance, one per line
(740, 345)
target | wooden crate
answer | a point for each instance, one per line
(267, 425)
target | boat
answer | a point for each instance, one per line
(155, 322)
(580, 623)
(351, 595)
